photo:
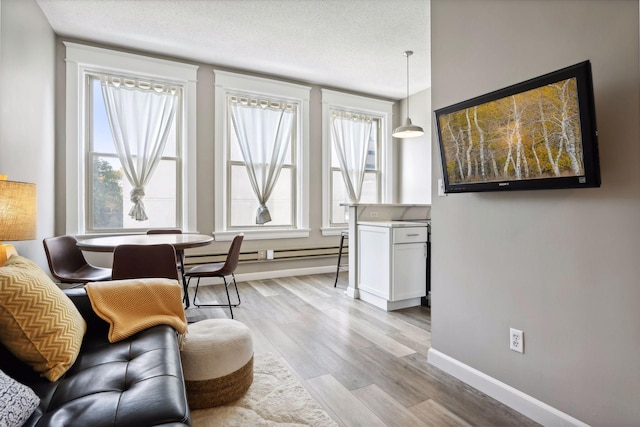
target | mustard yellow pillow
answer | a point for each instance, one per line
(38, 323)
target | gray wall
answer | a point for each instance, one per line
(27, 58)
(561, 265)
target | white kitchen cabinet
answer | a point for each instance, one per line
(392, 263)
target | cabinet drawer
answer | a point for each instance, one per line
(410, 234)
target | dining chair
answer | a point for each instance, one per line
(68, 264)
(179, 252)
(145, 261)
(221, 270)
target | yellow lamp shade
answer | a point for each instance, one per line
(18, 214)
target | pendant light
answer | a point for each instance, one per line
(408, 130)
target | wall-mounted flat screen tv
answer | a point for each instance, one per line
(537, 134)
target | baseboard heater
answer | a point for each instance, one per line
(278, 255)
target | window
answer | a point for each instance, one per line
(275, 113)
(274, 164)
(372, 176)
(108, 190)
(373, 116)
(99, 188)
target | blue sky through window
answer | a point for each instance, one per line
(102, 139)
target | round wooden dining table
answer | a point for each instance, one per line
(178, 241)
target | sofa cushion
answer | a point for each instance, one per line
(17, 401)
(38, 323)
(134, 382)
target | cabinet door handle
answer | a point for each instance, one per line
(413, 235)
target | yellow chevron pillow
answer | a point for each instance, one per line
(38, 323)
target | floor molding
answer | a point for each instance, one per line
(513, 398)
(260, 275)
(274, 274)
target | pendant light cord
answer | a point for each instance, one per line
(408, 53)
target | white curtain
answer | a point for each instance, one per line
(351, 133)
(263, 129)
(140, 117)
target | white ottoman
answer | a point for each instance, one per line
(217, 360)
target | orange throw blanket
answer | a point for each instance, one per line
(131, 306)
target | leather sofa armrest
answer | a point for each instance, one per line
(95, 325)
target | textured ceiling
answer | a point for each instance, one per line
(356, 45)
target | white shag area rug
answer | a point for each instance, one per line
(275, 398)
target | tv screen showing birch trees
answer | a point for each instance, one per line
(529, 135)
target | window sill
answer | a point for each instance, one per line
(333, 231)
(270, 234)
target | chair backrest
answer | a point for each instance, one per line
(144, 261)
(179, 253)
(63, 256)
(233, 256)
(164, 231)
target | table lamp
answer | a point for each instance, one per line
(17, 214)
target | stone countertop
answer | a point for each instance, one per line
(394, 224)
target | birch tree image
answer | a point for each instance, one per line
(469, 143)
(533, 134)
(481, 144)
(458, 145)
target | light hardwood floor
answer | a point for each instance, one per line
(365, 366)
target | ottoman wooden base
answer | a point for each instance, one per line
(219, 391)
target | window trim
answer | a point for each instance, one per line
(228, 83)
(359, 104)
(291, 165)
(91, 155)
(334, 169)
(82, 60)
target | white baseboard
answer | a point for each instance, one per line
(273, 274)
(515, 399)
(260, 275)
(386, 304)
(352, 292)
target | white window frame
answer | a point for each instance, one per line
(375, 107)
(227, 83)
(83, 60)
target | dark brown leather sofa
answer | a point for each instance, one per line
(134, 382)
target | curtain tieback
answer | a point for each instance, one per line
(137, 194)
(263, 216)
(137, 211)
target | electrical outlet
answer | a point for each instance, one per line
(516, 340)
(373, 214)
(262, 254)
